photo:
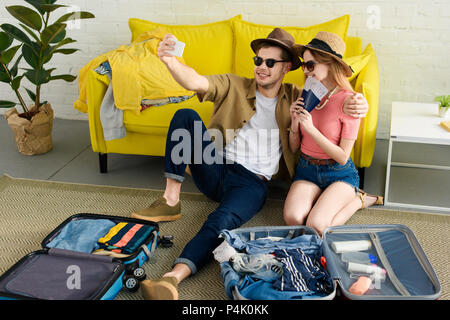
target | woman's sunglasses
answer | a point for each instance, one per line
(308, 65)
(269, 62)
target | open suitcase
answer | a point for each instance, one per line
(406, 271)
(63, 270)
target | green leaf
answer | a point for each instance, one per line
(59, 37)
(9, 54)
(37, 4)
(30, 32)
(31, 57)
(38, 76)
(66, 51)
(65, 77)
(15, 84)
(51, 7)
(75, 16)
(62, 43)
(13, 71)
(16, 33)
(31, 94)
(4, 77)
(7, 104)
(5, 40)
(52, 33)
(26, 15)
(47, 55)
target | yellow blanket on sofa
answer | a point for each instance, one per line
(137, 74)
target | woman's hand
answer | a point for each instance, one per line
(295, 109)
(306, 121)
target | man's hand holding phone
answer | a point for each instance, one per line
(170, 47)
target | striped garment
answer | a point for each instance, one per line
(301, 273)
(125, 237)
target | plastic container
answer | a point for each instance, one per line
(380, 277)
(358, 257)
(364, 268)
(346, 246)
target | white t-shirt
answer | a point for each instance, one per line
(257, 145)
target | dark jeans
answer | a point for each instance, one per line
(240, 193)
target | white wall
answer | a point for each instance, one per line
(411, 38)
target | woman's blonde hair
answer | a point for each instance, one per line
(336, 71)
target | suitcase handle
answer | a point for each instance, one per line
(150, 252)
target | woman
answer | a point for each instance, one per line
(325, 190)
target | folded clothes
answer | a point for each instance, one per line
(308, 243)
(105, 68)
(103, 252)
(81, 235)
(125, 237)
(259, 266)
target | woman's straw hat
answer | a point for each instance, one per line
(328, 43)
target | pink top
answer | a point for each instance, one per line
(333, 123)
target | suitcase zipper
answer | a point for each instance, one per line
(390, 272)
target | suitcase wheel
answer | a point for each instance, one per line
(139, 273)
(131, 283)
(130, 267)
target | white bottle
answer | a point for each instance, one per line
(364, 268)
(346, 246)
(358, 257)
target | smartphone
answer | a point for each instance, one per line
(178, 49)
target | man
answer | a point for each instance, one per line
(257, 110)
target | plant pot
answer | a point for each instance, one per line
(32, 131)
(443, 112)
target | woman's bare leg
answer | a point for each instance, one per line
(299, 201)
(349, 210)
(329, 204)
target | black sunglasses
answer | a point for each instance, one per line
(308, 65)
(269, 62)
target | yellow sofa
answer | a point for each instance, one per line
(216, 48)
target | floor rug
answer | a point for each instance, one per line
(30, 209)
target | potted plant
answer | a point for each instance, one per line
(444, 104)
(39, 39)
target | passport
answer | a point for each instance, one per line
(312, 94)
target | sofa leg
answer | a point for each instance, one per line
(103, 161)
(361, 172)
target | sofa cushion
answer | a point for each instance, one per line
(353, 46)
(245, 32)
(358, 63)
(209, 47)
(368, 84)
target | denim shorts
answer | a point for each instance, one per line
(325, 175)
